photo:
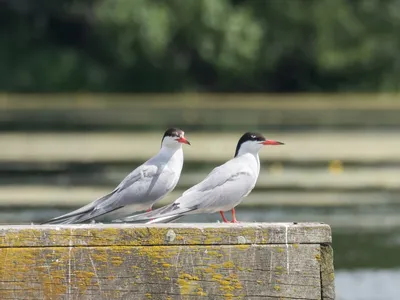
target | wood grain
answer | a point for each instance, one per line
(327, 273)
(167, 261)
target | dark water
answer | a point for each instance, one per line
(366, 241)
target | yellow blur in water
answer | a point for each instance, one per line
(335, 167)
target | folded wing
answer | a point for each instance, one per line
(221, 189)
(115, 200)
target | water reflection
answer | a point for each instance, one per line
(367, 284)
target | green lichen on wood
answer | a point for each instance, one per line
(139, 235)
(279, 270)
(20, 263)
(188, 284)
(113, 263)
(242, 247)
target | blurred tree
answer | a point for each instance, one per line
(204, 45)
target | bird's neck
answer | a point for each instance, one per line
(174, 153)
(252, 159)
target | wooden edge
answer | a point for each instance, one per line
(327, 273)
(163, 234)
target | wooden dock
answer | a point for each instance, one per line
(167, 261)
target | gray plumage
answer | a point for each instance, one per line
(222, 190)
(140, 189)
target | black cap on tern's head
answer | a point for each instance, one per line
(173, 132)
(253, 142)
(174, 136)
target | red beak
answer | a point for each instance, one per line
(183, 140)
(272, 142)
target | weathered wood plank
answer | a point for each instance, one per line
(167, 261)
(156, 272)
(327, 273)
(171, 234)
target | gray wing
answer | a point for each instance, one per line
(112, 201)
(223, 187)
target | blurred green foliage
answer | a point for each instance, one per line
(199, 45)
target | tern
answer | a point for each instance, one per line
(222, 190)
(140, 189)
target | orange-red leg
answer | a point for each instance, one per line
(223, 217)
(234, 216)
(149, 210)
